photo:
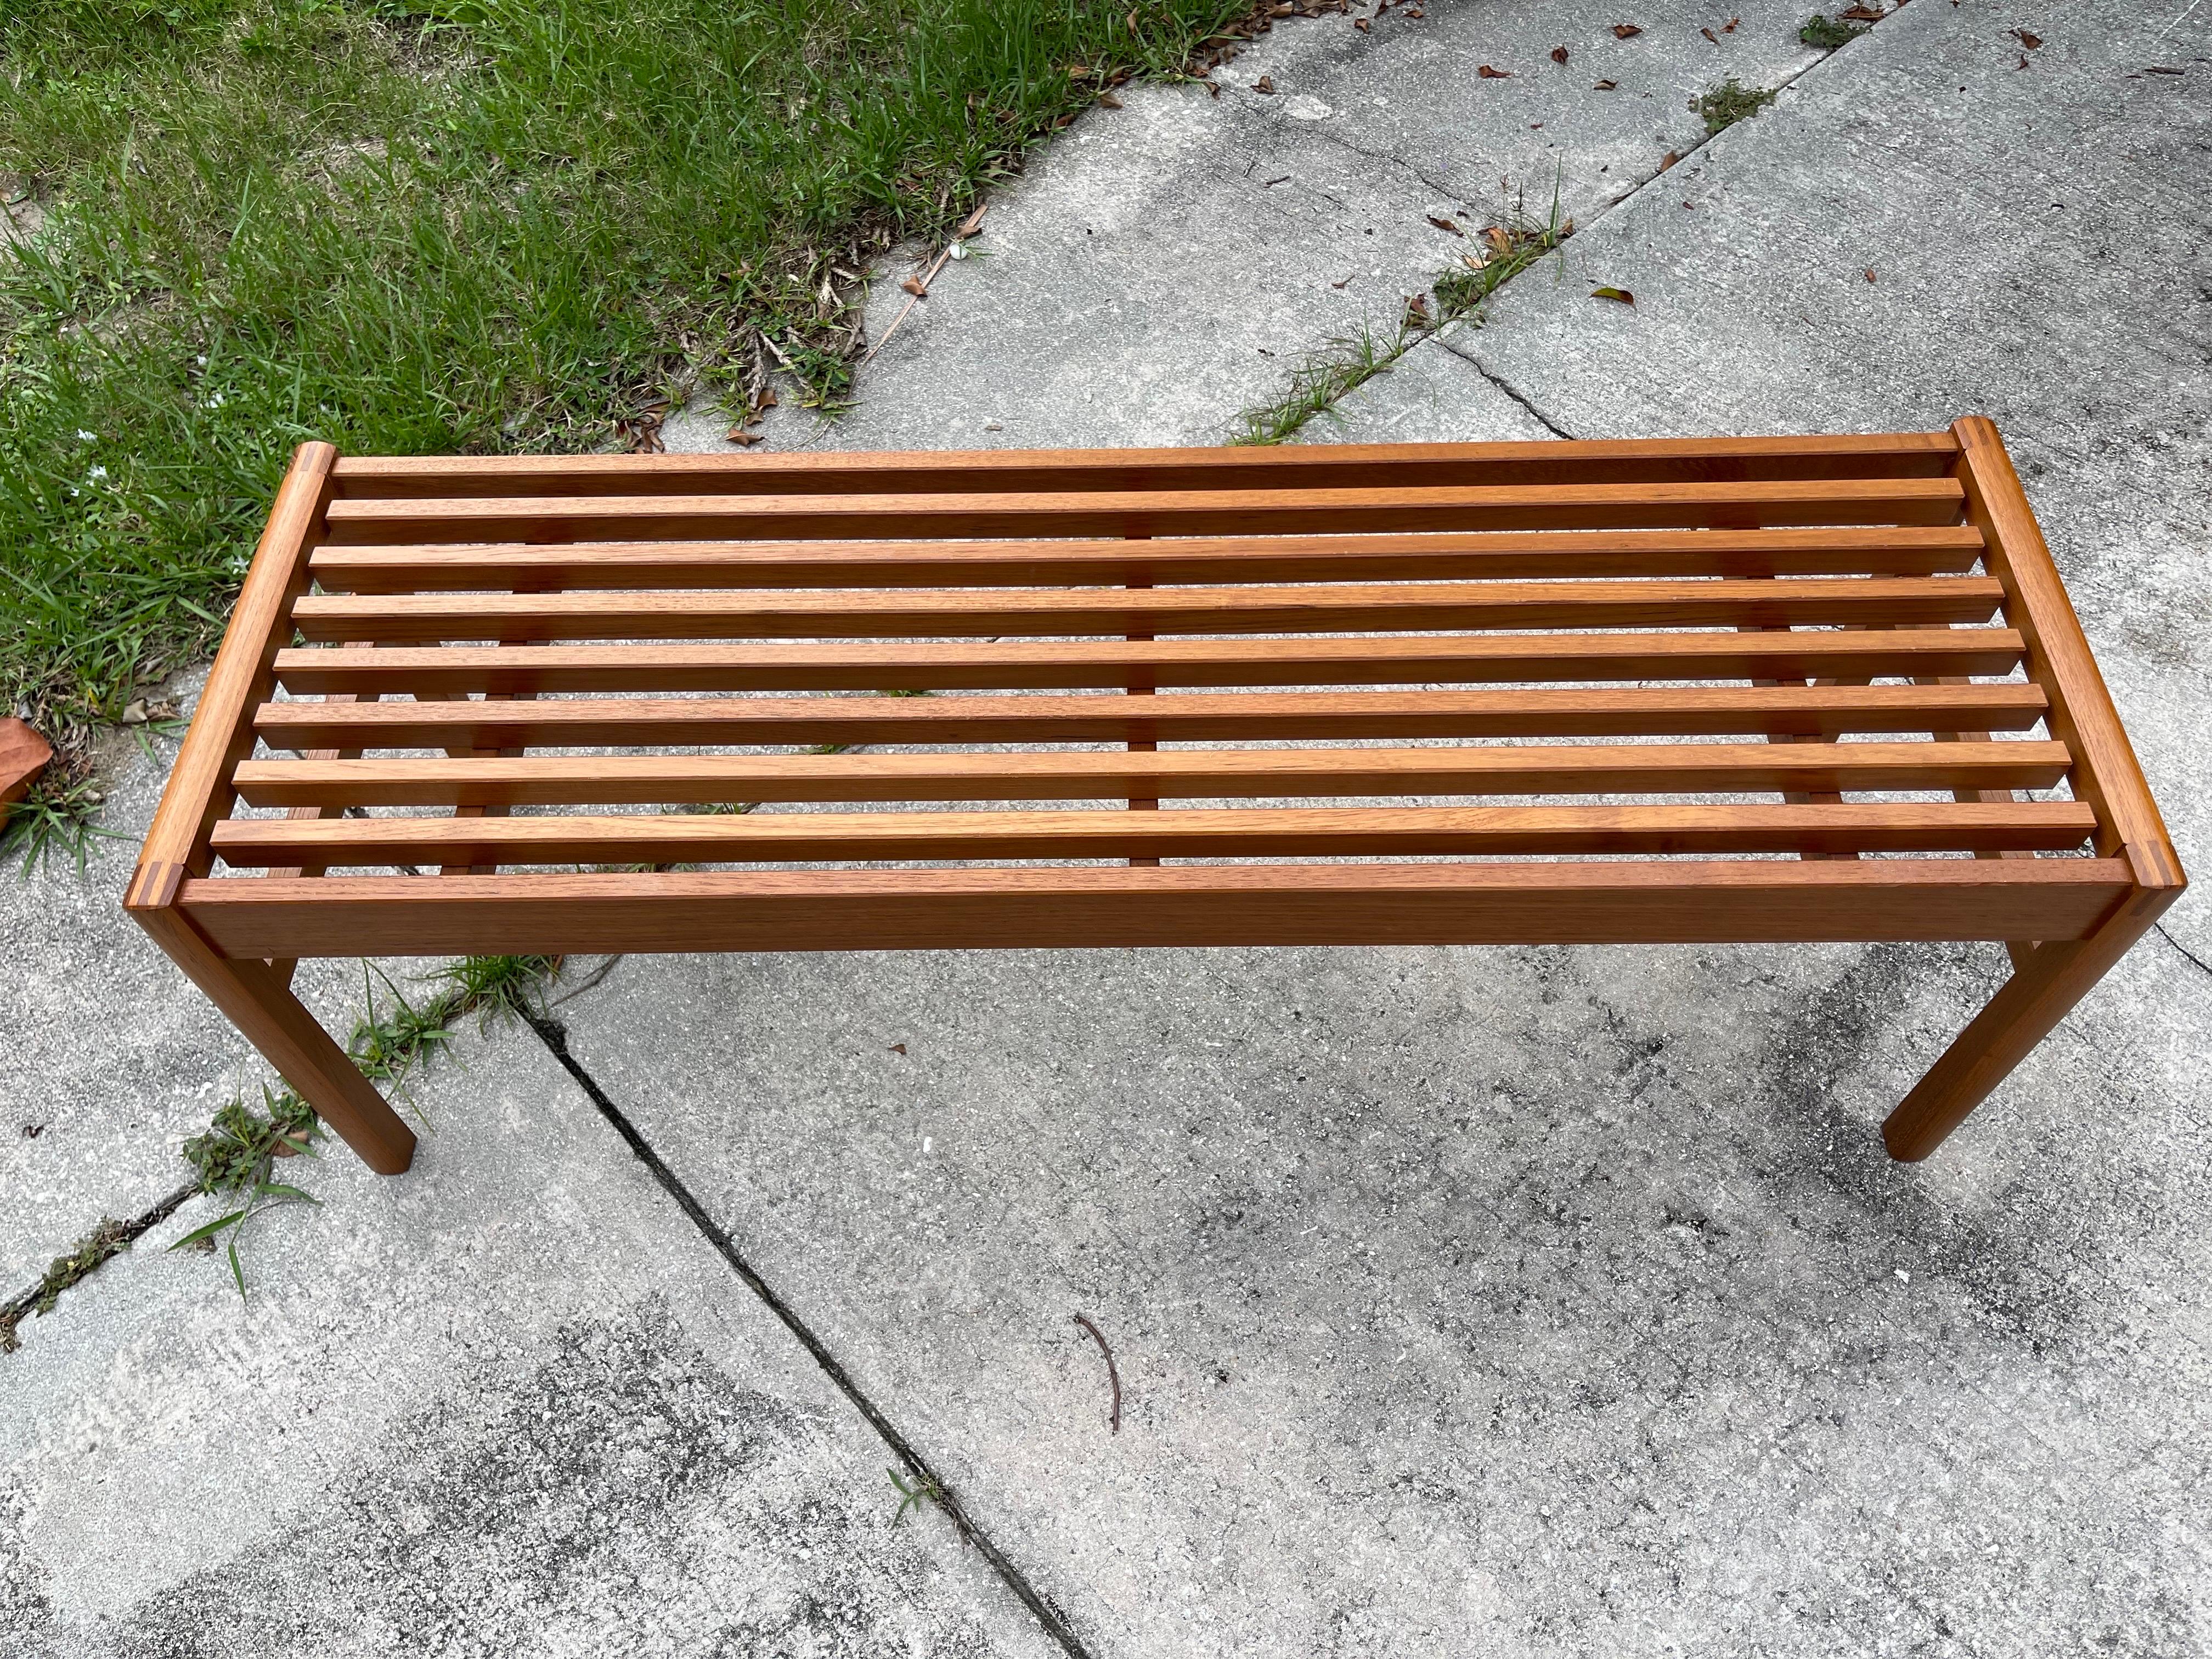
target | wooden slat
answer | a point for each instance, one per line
(1149, 511)
(867, 666)
(1920, 454)
(221, 735)
(1878, 551)
(1623, 903)
(2082, 716)
(1504, 769)
(417, 618)
(1543, 712)
(1297, 832)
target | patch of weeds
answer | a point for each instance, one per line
(923, 1490)
(496, 987)
(388, 1045)
(237, 1155)
(58, 814)
(1316, 385)
(1824, 33)
(1731, 101)
(107, 1240)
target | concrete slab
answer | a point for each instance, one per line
(1161, 266)
(1555, 1301)
(512, 1403)
(110, 1060)
(2036, 238)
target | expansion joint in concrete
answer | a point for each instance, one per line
(554, 1036)
(121, 1238)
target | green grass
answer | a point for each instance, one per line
(1721, 107)
(1826, 33)
(432, 226)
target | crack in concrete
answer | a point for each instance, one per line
(1504, 385)
(13, 1309)
(554, 1036)
(2163, 934)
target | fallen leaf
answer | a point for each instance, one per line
(1621, 294)
(1213, 89)
(1729, 27)
(1340, 284)
(1417, 312)
(1445, 224)
(134, 715)
(1558, 54)
(2162, 68)
(1667, 160)
(1862, 14)
(1626, 31)
(1271, 183)
(1603, 86)
(898, 1047)
(1710, 36)
(1870, 273)
(1131, 19)
(739, 436)
(2031, 41)
(1417, 12)
(1360, 23)
(1485, 72)
(767, 398)
(914, 286)
(1108, 100)
(1499, 239)
(1265, 84)
(2023, 62)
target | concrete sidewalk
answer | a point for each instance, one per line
(1531, 1301)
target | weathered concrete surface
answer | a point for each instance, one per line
(1162, 266)
(109, 1059)
(512, 1403)
(1544, 1301)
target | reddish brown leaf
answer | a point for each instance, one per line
(1862, 14)
(2031, 41)
(739, 436)
(1603, 86)
(767, 399)
(1710, 36)
(1558, 54)
(1265, 86)
(1626, 31)
(1668, 160)
(1340, 284)
(1445, 224)
(898, 1047)
(914, 286)
(1485, 72)
(1361, 24)
(1619, 296)
(1729, 27)
(1417, 312)
(1870, 273)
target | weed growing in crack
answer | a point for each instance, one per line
(923, 1490)
(1316, 385)
(1731, 101)
(56, 816)
(237, 1156)
(1824, 33)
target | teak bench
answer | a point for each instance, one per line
(1277, 661)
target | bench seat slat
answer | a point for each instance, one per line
(867, 665)
(1934, 500)
(1542, 712)
(1302, 832)
(1506, 769)
(1906, 454)
(1879, 550)
(1861, 601)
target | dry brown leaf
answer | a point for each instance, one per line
(1417, 312)
(900, 1047)
(1264, 85)
(1710, 36)
(1729, 27)
(1340, 284)
(1486, 73)
(1870, 273)
(1620, 296)
(739, 436)
(1626, 31)
(1361, 24)
(1131, 19)
(1445, 224)
(1862, 14)
(2031, 41)
(1108, 100)
(767, 399)
(1558, 54)
(1668, 160)
(1603, 86)
(914, 286)
(1499, 239)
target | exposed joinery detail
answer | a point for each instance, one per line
(1792, 688)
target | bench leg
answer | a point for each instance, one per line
(258, 1000)
(2049, 980)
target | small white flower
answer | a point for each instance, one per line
(96, 475)
(84, 437)
(213, 400)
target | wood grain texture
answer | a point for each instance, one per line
(1624, 903)
(1877, 551)
(1147, 512)
(1907, 454)
(868, 665)
(1198, 832)
(1192, 717)
(222, 734)
(416, 619)
(1503, 770)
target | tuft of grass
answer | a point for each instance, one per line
(1318, 384)
(447, 225)
(55, 816)
(1723, 107)
(496, 987)
(1826, 33)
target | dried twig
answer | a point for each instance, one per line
(969, 227)
(1114, 1376)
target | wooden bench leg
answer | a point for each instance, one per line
(258, 1000)
(2049, 979)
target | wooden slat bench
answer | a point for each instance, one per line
(1186, 696)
